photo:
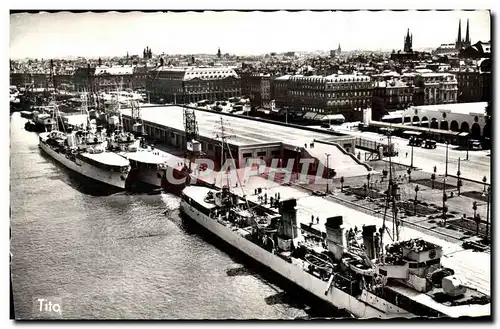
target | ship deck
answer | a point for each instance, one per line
(452, 311)
(454, 256)
(107, 158)
(145, 156)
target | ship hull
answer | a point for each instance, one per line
(115, 179)
(292, 272)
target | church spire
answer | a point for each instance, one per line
(467, 38)
(458, 45)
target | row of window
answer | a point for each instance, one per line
(330, 95)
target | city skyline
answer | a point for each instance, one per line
(57, 35)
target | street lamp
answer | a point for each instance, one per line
(327, 171)
(488, 211)
(446, 168)
(416, 196)
(411, 164)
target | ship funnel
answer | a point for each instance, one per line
(367, 233)
(335, 236)
(288, 226)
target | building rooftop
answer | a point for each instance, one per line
(114, 70)
(477, 108)
(242, 131)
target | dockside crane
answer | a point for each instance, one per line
(193, 147)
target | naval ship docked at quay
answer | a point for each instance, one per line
(352, 271)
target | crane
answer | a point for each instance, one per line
(193, 147)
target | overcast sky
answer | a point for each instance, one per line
(108, 34)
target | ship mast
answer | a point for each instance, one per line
(224, 140)
(390, 201)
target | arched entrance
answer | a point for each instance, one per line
(444, 125)
(425, 122)
(416, 121)
(475, 130)
(464, 127)
(454, 126)
(434, 123)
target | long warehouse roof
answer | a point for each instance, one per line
(242, 131)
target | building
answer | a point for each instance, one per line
(446, 49)
(113, 78)
(139, 77)
(192, 84)
(439, 88)
(408, 54)
(462, 117)
(476, 51)
(474, 83)
(83, 79)
(257, 87)
(408, 43)
(147, 53)
(391, 95)
(462, 43)
(307, 96)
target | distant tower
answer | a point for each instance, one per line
(458, 44)
(339, 50)
(408, 46)
(467, 37)
(147, 54)
(218, 53)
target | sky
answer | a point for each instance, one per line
(56, 35)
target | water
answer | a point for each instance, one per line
(118, 256)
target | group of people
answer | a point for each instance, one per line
(274, 201)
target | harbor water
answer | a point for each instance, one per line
(122, 255)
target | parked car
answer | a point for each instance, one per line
(430, 144)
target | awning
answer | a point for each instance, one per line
(309, 115)
(333, 117)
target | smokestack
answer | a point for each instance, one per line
(367, 233)
(288, 211)
(335, 236)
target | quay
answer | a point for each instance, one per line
(322, 207)
(250, 138)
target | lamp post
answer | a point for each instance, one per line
(446, 168)
(327, 171)
(411, 164)
(416, 195)
(445, 198)
(488, 211)
(467, 156)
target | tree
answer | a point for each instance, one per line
(433, 177)
(342, 184)
(484, 181)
